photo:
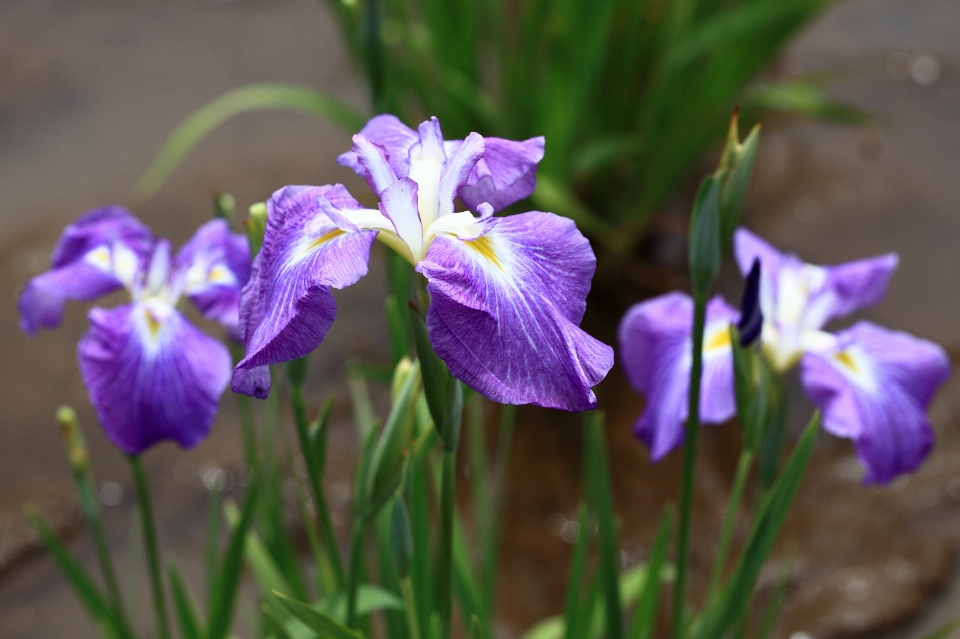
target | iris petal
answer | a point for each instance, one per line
(287, 307)
(874, 388)
(505, 311)
(95, 255)
(841, 290)
(507, 173)
(656, 350)
(151, 377)
(214, 265)
(393, 136)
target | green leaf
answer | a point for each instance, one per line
(254, 97)
(83, 586)
(645, 614)
(191, 626)
(571, 607)
(737, 167)
(228, 577)
(401, 537)
(323, 624)
(600, 499)
(723, 611)
(705, 253)
(802, 97)
(387, 457)
(436, 376)
(267, 574)
(370, 598)
(944, 631)
(275, 624)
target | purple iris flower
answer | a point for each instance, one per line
(151, 374)
(507, 294)
(872, 384)
(656, 348)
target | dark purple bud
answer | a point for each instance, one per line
(751, 319)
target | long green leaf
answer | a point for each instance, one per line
(723, 611)
(228, 576)
(645, 613)
(600, 499)
(191, 626)
(323, 624)
(255, 97)
(83, 586)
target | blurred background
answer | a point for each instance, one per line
(859, 155)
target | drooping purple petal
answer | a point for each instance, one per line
(393, 136)
(99, 253)
(151, 375)
(214, 265)
(505, 311)
(656, 345)
(507, 173)
(874, 388)
(287, 308)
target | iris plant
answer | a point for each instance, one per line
(150, 373)
(506, 294)
(872, 384)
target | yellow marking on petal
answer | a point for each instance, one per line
(153, 324)
(323, 239)
(100, 257)
(844, 358)
(720, 339)
(220, 275)
(484, 247)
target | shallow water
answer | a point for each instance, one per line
(89, 90)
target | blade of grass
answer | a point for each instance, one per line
(645, 614)
(183, 605)
(228, 575)
(83, 586)
(254, 97)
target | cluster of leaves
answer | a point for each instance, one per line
(629, 94)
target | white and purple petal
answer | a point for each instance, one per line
(151, 375)
(393, 136)
(214, 265)
(829, 292)
(874, 387)
(507, 173)
(287, 307)
(99, 253)
(656, 345)
(505, 310)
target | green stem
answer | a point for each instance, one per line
(508, 420)
(410, 607)
(150, 543)
(91, 512)
(689, 465)
(249, 431)
(316, 489)
(736, 494)
(356, 570)
(445, 564)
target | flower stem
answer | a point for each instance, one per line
(410, 607)
(356, 570)
(736, 494)
(689, 465)
(83, 478)
(316, 489)
(447, 494)
(150, 544)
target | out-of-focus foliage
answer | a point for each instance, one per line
(629, 93)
